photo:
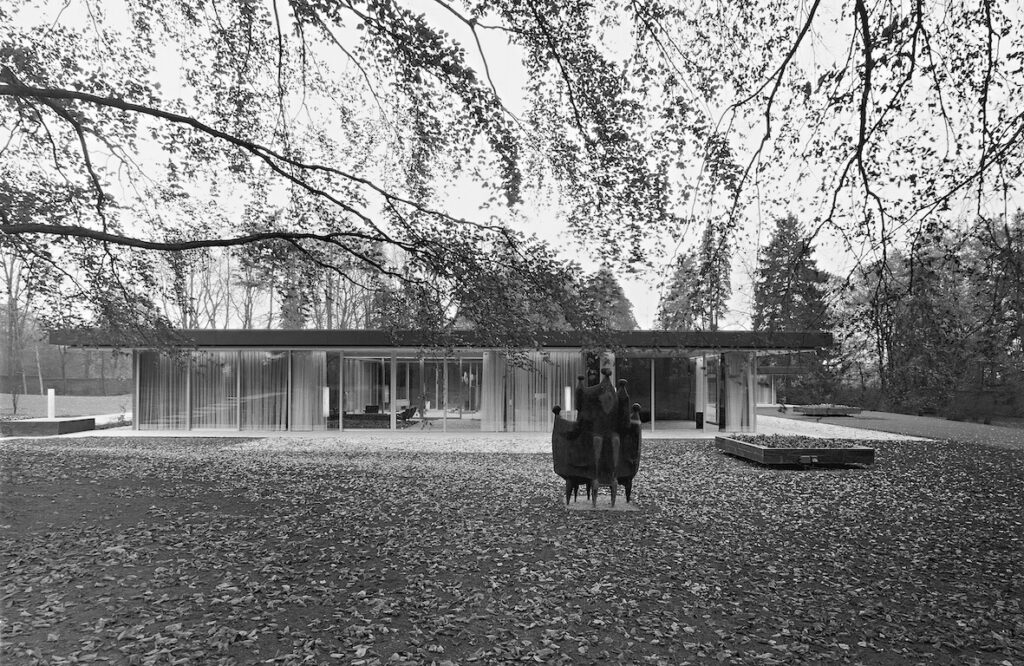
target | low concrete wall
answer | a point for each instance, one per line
(46, 427)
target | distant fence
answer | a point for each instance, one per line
(69, 386)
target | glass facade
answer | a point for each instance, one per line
(519, 396)
(366, 392)
(311, 390)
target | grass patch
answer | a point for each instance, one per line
(157, 550)
(34, 406)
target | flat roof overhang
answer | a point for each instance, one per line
(668, 342)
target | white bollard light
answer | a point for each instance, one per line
(51, 404)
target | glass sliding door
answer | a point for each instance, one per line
(264, 390)
(636, 370)
(674, 382)
(419, 392)
(739, 410)
(308, 388)
(366, 392)
(163, 391)
(531, 390)
(462, 400)
(214, 385)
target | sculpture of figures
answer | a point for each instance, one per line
(602, 446)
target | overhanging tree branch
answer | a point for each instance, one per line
(333, 239)
(268, 155)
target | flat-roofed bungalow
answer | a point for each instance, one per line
(304, 380)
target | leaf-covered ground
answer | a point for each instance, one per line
(800, 441)
(201, 551)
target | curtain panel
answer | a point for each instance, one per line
(163, 391)
(264, 390)
(214, 384)
(309, 380)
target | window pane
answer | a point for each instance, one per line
(214, 390)
(163, 396)
(264, 390)
(637, 373)
(533, 390)
(309, 383)
(673, 389)
(463, 403)
(366, 392)
(333, 382)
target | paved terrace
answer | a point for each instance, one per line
(436, 440)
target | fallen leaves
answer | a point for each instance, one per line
(201, 551)
(803, 441)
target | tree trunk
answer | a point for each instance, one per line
(270, 313)
(12, 333)
(227, 288)
(39, 370)
(63, 351)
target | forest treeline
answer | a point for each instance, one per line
(935, 327)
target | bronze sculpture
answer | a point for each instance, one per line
(602, 446)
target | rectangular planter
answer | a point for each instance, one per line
(827, 411)
(43, 427)
(861, 455)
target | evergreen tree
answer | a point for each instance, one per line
(789, 292)
(609, 303)
(679, 308)
(931, 347)
(713, 284)
(789, 295)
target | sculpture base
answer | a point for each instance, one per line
(604, 503)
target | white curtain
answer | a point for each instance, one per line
(711, 395)
(492, 403)
(739, 386)
(363, 384)
(520, 398)
(163, 391)
(214, 390)
(264, 377)
(309, 378)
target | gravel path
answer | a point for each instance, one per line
(931, 427)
